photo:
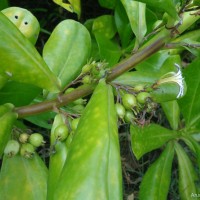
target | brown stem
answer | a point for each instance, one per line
(61, 100)
(82, 91)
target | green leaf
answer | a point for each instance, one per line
(187, 174)
(20, 61)
(172, 112)
(156, 181)
(19, 94)
(94, 152)
(110, 4)
(189, 104)
(194, 146)
(105, 26)
(108, 50)
(3, 4)
(135, 78)
(147, 138)
(154, 62)
(72, 6)
(43, 120)
(136, 14)
(122, 24)
(69, 40)
(163, 5)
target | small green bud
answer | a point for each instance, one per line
(23, 137)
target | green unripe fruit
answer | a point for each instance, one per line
(142, 97)
(25, 21)
(27, 150)
(61, 132)
(12, 148)
(87, 79)
(74, 124)
(129, 116)
(36, 139)
(23, 137)
(120, 110)
(129, 101)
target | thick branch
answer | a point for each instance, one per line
(154, 45)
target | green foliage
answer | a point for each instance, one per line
(69, 40)
(99, 156)
(158, 100)
(158, 176)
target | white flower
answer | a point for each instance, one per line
(175, 77)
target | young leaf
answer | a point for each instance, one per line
(69, 40)
(187, 174)
(172, 112)
(20, 61)
(136, 14)
(156, 181)
(148, 138)
(189, 104)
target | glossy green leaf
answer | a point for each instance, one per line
(108, 50)
(72, 6)
(20, 61)
(187, 174)
(172, 112)
(136, 14)
(22, 178)
(19, 94)
(123, 25)
(163, 5)
(110, 4)
(94, 152)
(69, 40)
(194, 146)
(42, 120)
(147, 138)
(105, 26)
(189, 104)
(154, 62)
(137, 78)
(25, 21)
(156, 181)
